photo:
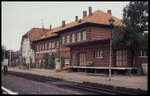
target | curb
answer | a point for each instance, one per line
(118, 88)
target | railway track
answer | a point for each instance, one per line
(81, 87)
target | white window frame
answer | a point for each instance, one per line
(57, 44)
(99, 54)
(46, 46)
(84, 35)
(79, 36)
(53, 44)
(40, 47)
(68, 38)
(63, 40)
(142, 54)
(50, 44)
(73, 37)
(43, 46)
(37, 48)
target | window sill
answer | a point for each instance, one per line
(99, 57)
(142, 56)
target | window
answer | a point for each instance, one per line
(41, 47)
(79, 36)
(142, 53)
(84, 35)
(121, 57)
(63, 40)
(68, 39)
(50, 44)
(73, 37)
(99, 54)
(45, 46)
(37, 48)
(57, 45)
(53, 44)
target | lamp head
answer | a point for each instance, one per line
(111, 21)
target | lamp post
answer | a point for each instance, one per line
(111, 22)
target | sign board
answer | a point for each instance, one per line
(5, 62)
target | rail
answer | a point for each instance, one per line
(7, 91)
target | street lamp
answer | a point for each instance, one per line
(111, 22)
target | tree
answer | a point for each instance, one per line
(51, 62)
(135, 18)
(41, 64)
(45, 58)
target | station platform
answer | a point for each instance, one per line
(126, 81)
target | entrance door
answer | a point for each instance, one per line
(121, 58)
(82, 59)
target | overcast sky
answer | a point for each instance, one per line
(20, 17)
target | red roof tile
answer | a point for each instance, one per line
(98, 17)
(35, 33)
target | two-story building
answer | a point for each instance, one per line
(85, 43)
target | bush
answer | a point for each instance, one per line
(51, 64)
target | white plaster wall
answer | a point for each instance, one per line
(27, 52)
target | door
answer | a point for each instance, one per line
(121, 58)
(82, 59)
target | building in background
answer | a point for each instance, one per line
(27, 48)
(15, 56)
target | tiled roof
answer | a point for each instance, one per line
(35, 33)
(98, 17)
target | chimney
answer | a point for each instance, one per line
(76, 18)
(84, 14)
(109, 12)
(90, 11)
(63, 23)
(50, 27)
(80, 21)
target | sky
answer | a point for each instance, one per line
(19, 17)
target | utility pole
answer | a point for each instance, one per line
(111, 21)
(10, 58)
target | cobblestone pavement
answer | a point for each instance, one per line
(117, 80)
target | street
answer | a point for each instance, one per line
(26, 86)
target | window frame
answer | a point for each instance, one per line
(79, 36)
(63, 40)
(99, 53)
(141, 52)
(73, 37)
(57, 44)
(84, 35)
(68, 38)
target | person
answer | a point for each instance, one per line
(5, 69)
